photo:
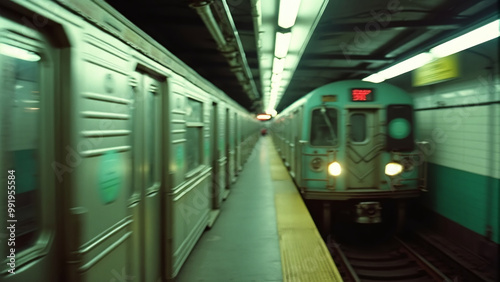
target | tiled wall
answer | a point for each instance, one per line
(461, 120)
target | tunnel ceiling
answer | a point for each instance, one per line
(352, 39)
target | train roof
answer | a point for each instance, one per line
(384, 93)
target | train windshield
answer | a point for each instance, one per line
(324, 127)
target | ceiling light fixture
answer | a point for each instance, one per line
(278, 65)
(276, 77)
(400, 68)
(470, 39)
(282, 44)
(277, 27)
(288, 13)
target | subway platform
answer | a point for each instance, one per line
(264, 231)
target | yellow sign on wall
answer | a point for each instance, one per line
(436, 71)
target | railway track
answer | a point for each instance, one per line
(391, 261)
(459, 263)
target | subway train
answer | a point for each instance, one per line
(352, 144)
(115, 155)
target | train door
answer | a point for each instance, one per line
(364, 146)
(145, 201)
(28, 235)
(227, 152)
(288, 133)
(295, 158)
(215, 157)
(292, 142)
(237, 144)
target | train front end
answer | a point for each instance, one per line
(358, 146)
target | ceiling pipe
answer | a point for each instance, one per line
(257, 25)
(241, 51)
(203, 10)
(230, 46)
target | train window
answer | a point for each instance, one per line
(194, 111)
(20, 132)
(194, 118)
(324, 127)
(358, 127)
(193, 152)
(151, 133)
(132, 92)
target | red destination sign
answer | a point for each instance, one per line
(361, 95)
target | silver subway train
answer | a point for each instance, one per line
(115, 155)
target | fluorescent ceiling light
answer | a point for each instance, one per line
(275, 85)
(272, 112)
(460, 43)
(276, 77)
(282, 44)
(272, 101)
(407, 65)
(301, 20)
(288, 13)
(278, 65)
(375, 78)
(400, 68)
(468, 40)
(18, 53)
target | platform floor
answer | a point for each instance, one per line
(264, 232)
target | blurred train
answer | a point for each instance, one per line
(352, 144)
(115, 156)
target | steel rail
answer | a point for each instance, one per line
(351, 272)
(427, 266)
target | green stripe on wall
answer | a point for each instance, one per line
(463, 198)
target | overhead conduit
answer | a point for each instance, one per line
(230, 45)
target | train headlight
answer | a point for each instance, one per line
(334, 169)
(393, 169)
(317, 164)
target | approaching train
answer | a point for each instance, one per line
(352, 144)
(115, 155)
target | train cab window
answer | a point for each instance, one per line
(358, 127)
(194, 127)
(324, 127)
(20, 134)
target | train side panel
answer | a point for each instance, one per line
(231, 146)
(191, 188)
(98, 125)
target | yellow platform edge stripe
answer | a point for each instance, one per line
(304, 255)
